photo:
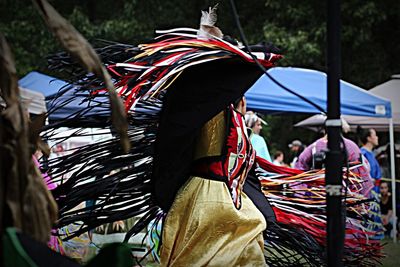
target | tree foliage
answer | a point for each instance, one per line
(370, 33)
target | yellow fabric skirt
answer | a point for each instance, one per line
(203, 228)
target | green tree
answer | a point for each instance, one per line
(370, 32)
(370, 35)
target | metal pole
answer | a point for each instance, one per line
(334, 159)
(393, 176)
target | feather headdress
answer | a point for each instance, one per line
(207, 22)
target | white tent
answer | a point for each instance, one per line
(391, 91)
(315, 122)
(32, 99)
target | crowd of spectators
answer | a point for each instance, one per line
(313, 157)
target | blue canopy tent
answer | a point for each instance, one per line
(266, 96)
(39, 82)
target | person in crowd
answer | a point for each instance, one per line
(296, 148)
(278, 158)
(386, 207)
(369, 141)
(255, 124)
(46, 178)
(313, 156)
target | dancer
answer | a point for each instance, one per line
(190, 157)
(298, 199)
(313, 157)
(179, 92)
(210, 212)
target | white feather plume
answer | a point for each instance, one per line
(207, 22)
(209, 18)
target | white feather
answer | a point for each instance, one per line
(207, 29)
(209, 18)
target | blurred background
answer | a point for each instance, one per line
(370, 37)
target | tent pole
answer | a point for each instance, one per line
(334, 157)
(393, 176)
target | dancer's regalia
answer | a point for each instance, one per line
(178, 93)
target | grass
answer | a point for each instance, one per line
(392, 252)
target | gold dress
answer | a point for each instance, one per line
(203, 227)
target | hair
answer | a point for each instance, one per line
(237, 101)
(363, 134)
(277, 154)
(251, 119)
